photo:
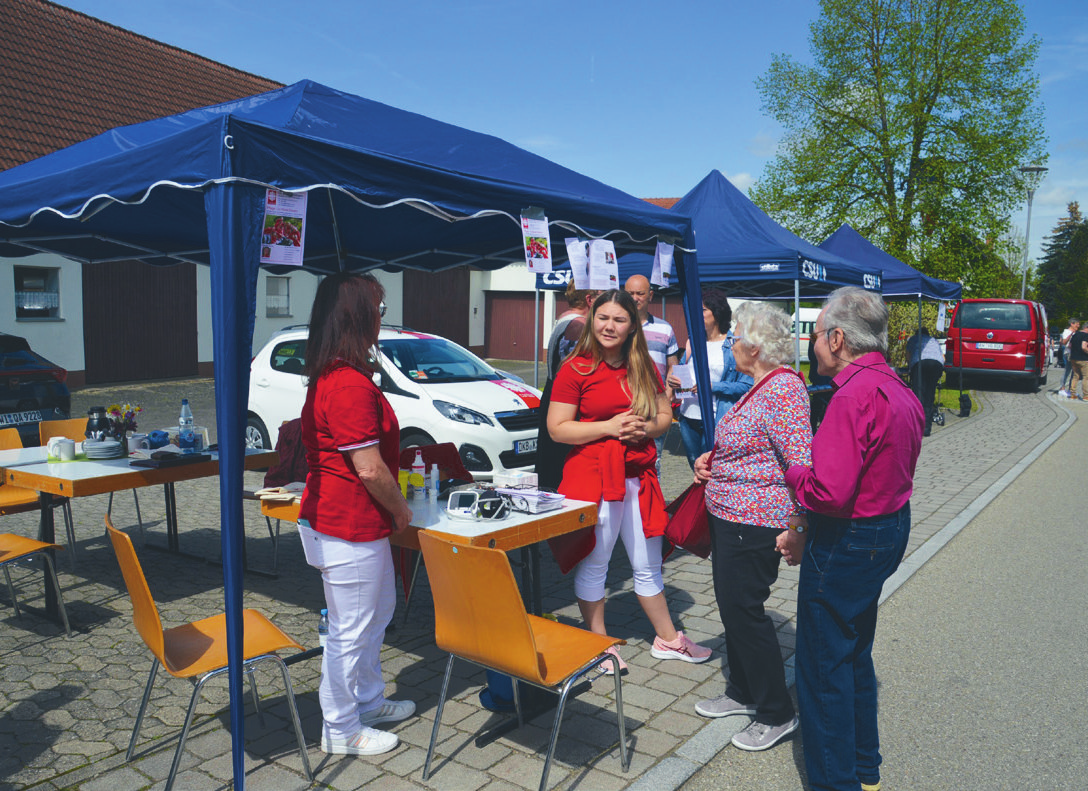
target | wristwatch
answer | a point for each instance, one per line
(797, 528)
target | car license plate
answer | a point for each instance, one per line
(523, 446)
(31, 416)
(994, 346)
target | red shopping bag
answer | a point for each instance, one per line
(689, 524)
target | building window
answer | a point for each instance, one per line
(37, 292)
(277, 297)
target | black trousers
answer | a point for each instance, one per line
(745, 566)
(930, 371)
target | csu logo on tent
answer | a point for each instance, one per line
(768, 267)
(872, 282)
(813, 271)
(557, 278)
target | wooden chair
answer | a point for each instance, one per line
(17, 500)
(479, 616)
(14, 548)
(76, 429)
(198, 651)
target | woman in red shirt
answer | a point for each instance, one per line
(609, 402)
(351, 505)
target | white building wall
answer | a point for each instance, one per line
(59, 340)
(514, 277)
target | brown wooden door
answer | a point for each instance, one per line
(438, 302)
(509, 325)
(674, 314)
(139, 321)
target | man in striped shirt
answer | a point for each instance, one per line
(660, 339)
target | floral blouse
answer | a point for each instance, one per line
(760, 437)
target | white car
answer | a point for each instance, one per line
(440, 392)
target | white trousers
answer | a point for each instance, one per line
(360, 593)
(620, 520)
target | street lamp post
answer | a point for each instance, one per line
(1033, 176)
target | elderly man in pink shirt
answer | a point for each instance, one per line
(857, 495)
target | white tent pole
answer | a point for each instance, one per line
(797, 324)
(536, 338)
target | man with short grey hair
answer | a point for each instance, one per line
(857, 498)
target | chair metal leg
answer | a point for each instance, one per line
(517, 700)
(294, 716)
(625, 756)
(11, 590)
(275, 536)
(555, 729)
(143, 708)
(248, 670)
(185, 728)
(56, 586)
(438, 718)
(139, 518)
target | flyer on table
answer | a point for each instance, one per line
(604, 272)
(538, 244)
(283, 234)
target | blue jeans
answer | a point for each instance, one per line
(843, 570)
(691, 431)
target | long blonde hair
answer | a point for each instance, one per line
(642, 380)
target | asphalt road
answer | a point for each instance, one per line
(982, 656)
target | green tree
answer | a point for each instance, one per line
(909, 125)
(1063, 267)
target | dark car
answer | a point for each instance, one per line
(32, 389)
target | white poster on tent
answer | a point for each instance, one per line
(662, 271)
(283, 234)
(941, 317)
(578, 255)
(604, 272)
(538, 244)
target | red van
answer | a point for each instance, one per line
(999, 338)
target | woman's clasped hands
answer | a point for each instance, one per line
(628, 428)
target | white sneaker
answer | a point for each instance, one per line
(390, 711)
(367, 741)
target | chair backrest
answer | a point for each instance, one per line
(478, 612)
(144, 612)
(10, 439)
(72, 428)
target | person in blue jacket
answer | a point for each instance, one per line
(728, 384)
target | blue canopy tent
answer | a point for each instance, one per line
(902, 282)
(387, 188)
(742, 247)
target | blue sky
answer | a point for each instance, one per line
(644, 96)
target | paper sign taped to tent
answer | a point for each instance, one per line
(538, 244)
(662, 270)
(604, 272)
(283, 235)
(578, 255)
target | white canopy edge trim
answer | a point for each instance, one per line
(417, 203)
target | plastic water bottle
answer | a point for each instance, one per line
(186, 437)
(419, 468)
(323, 628)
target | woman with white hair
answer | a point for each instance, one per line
(764, 433)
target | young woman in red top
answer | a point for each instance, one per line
(609, 402)
(351, 505)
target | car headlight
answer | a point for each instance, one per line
(462, 414)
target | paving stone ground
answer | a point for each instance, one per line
(67, 705)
